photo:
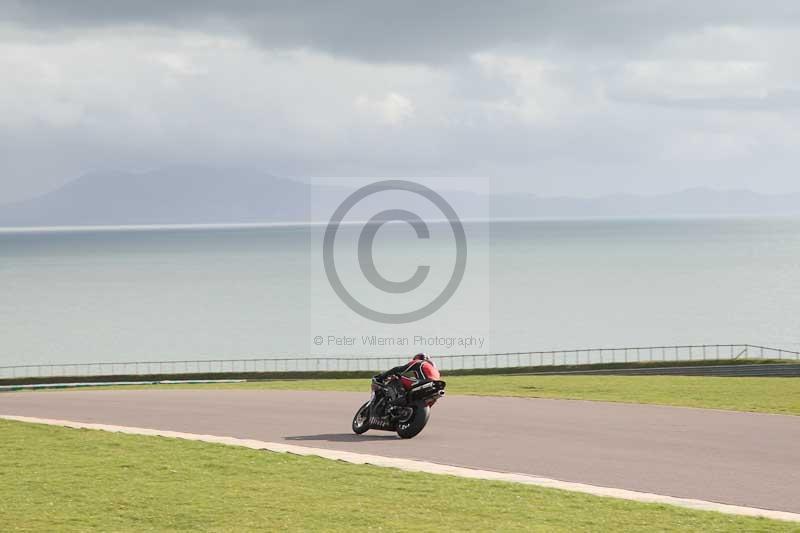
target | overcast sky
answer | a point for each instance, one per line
(555, 98)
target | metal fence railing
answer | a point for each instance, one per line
(636, 354)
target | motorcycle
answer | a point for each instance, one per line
(399, 404)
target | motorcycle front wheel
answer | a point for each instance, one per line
(411, 427)
(361, 420)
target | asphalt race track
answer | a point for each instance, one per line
(742, 459)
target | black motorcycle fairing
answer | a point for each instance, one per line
(395, 392)
(387, 400)
(379, 419)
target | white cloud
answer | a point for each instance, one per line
(179, 64)
(694, 79)
(393, 109)
(541, 91)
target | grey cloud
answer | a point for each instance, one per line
(417, 31)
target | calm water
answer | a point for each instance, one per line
(86, 296)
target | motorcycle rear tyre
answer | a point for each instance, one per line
(417, 422)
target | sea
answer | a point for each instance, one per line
(104, 294)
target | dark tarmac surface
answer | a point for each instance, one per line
(742, 459)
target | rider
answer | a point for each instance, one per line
(420, 366)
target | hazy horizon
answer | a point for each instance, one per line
(179, 196)
(352, 183)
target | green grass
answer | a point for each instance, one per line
(365, 374)
(766, 395)
(56, 479)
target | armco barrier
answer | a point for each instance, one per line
(575, 357)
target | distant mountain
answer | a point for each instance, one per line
(177, 195)
(690, 202)
(202, 195)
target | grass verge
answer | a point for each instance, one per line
(764, 395)
(56, 479)
(359, 374)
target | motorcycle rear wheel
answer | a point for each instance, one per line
(361, 420)
(415, 424)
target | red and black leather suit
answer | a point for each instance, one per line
(421, 369)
